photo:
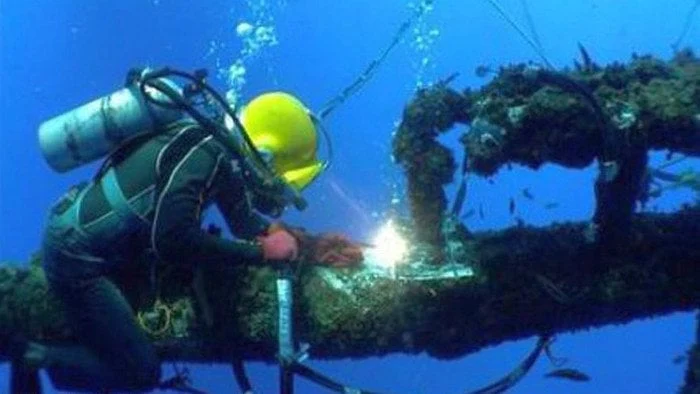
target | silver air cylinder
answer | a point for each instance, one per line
(93, 130)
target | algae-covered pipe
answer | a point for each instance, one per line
(652, 104)
(526, 281)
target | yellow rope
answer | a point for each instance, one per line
(158, 306)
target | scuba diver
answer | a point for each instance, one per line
(150, 195)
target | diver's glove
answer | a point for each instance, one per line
(336, 250)
(297, 232)
(329, 249)
(279, 245)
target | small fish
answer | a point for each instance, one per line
(568, 373)
(511, 206)
(527, 194)
(688, 177)
(551, 205)
(680, 359)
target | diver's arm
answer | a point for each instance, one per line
(230, 196)
(176, 234)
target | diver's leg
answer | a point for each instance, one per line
(114, 352)
(117, 354)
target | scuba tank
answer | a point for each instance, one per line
(93, 130)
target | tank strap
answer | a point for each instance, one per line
(117, 200)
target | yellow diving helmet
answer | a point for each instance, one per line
(283, 130)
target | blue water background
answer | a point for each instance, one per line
(57, 54)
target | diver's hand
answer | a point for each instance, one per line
(279, 245)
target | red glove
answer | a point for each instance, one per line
(297, 232)
(279, 245)
(336, 250)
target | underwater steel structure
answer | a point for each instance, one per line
(526, 281)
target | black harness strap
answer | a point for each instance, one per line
(175, 152)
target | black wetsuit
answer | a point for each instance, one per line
(167, 180)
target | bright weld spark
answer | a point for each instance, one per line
(390, 247)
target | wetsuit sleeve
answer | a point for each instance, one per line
(176, 234)
(230, 196)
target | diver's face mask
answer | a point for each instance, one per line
(272, 201)
(270, 194)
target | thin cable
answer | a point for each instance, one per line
(686, 26)
(373, 66)
(531, 24)
(510, 380)
(522, 33)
